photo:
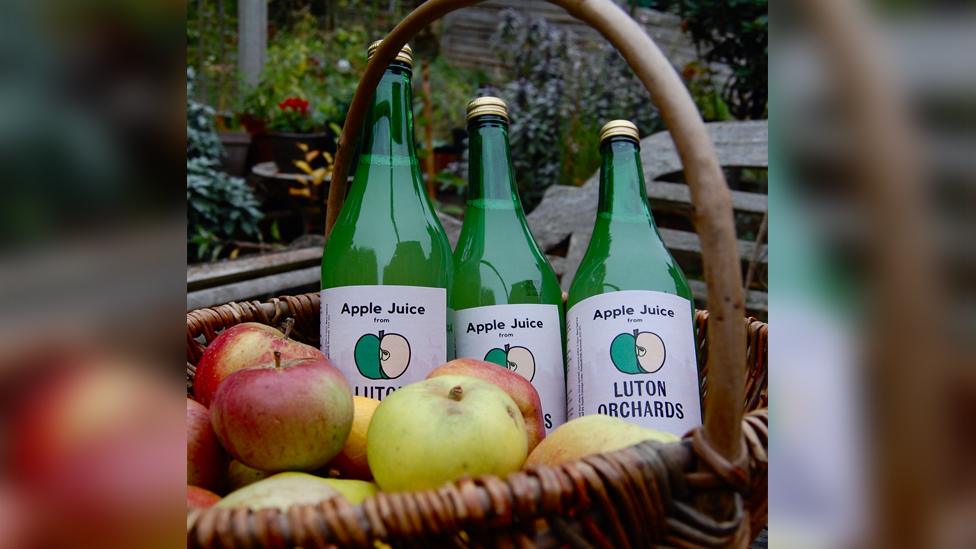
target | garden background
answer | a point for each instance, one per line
(268, 84)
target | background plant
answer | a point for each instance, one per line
(734, 33)
(211, 42)
(559, 95)
(307, 62)
(221, 209)
(452, 88)
(295, 114)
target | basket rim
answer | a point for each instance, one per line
(477, 498)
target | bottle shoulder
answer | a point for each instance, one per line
(496, 279)
(599, 274)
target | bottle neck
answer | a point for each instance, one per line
(491, 179)
(622, 193)
(388, 130)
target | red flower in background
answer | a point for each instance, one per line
(296, 104)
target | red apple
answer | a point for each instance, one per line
(517, 387)
(93, 452)
(243, 346)
(292, 416)
(200, 497)
(206, 463)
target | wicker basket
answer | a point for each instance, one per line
(709, 490)
(638, 497)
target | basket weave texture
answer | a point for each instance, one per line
(640, 496)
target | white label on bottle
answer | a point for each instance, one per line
(384, 337)
(525, 338)
(631, 355)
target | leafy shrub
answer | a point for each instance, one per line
(307, 63)
(451, 90)
(559, 96)
(220, 208)
(735, 33)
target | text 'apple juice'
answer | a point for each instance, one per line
(506, 303)
(630, 325)
(386, 267)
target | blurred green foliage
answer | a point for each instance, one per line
(734, 33)
(306, 62)
(559, 91)
(451, 90)
(211, 48)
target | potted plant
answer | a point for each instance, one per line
(293, 128)
(303, 91)
(237, 145)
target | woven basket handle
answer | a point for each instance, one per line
(709, 192)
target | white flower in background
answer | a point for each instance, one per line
(343, 65)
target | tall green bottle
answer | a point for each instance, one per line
(630, 329)
(386, 267)
(506, 302)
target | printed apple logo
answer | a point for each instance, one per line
(382, 356)
(516, 359)
(637, 352)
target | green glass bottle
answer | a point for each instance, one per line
(506, 302)
(630, 324)
(386, 267)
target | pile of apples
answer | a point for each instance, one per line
(273, 424)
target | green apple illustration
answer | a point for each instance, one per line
(516, 359)
(382, 356)
(637, 352)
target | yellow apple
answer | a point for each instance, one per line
(356, 491)
(440, 429)
(240, 475)
(280, 491)
(286, 489)
(351, 461)
(593, 434)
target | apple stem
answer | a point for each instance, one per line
(277, 355)
(636, 332)
(456, 393)
(289, 324)
(506, 348)
(381, 334)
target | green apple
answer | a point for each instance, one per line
(382, 356)
(520, 389)
(437, 430)
(356, 491)
(637, 352)
(517, 359)
(286, 489)
(281, 491)
(592, 434)
(240, 475)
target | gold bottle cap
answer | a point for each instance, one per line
(625, 128)
(487, 105)
(405, 55)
